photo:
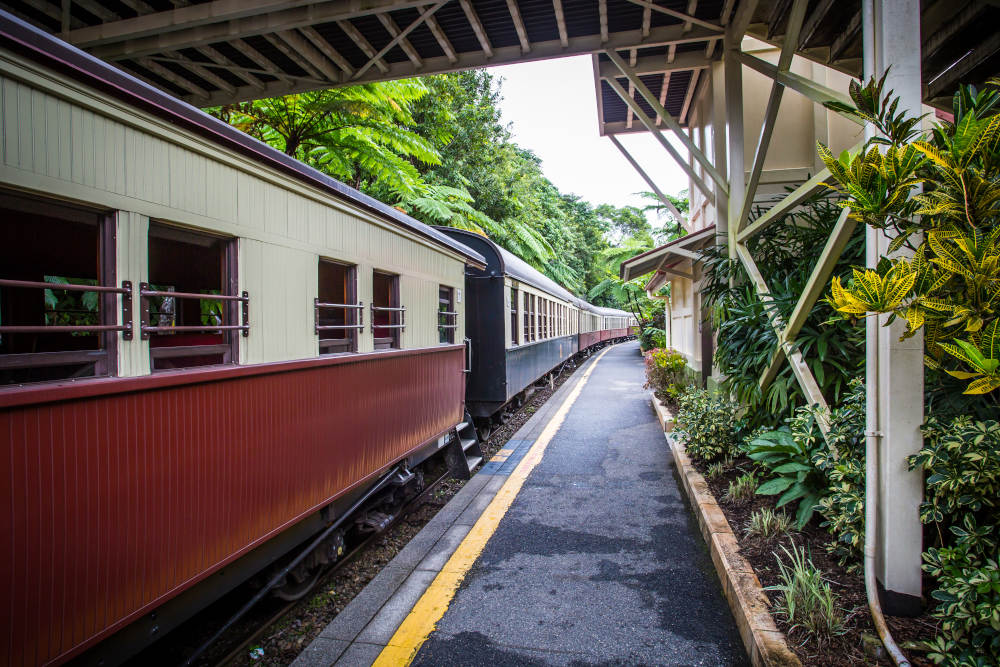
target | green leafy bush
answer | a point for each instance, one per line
(788, 456)
(707, 424)
(843, 505)
(666, 374)
(652, 337)
(961, 459)
(741, 489)
(768, 524)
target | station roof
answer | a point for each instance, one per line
(211, 52)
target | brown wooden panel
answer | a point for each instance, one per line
(120, 500)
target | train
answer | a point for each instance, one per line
(210, 353)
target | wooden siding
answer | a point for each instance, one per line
(117, 503)
(62, 140)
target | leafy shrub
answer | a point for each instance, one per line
(708, 425)
(843, 506)
(807, 602)
(768, 524)
(746, 339)
(715, 470)
(652, 337)
(666, 374)
(741, 489)
(962, 461)
(788, 455)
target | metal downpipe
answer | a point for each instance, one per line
(872, 416)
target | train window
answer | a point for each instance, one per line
(447, 315)
(527, 317)
(513, 316)
(543, 320)
(534, 318)
(338, 315)
(388, 317)
(58, 298)
(190, 308)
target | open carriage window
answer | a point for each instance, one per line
(190, 308)
(58, 298)
(339, 316)
(447, 315)
(388, 317)
(513, 316)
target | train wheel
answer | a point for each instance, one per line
(484, 429)
(293, 590)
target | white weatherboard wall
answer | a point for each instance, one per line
(63, 140)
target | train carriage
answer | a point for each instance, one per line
(207, 351)
(543, 325)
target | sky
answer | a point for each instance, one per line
(551, 107)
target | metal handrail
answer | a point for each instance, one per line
(125, 290)
(360, 325)
(145, 329)
(389, 309)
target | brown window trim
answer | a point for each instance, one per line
(234, 319)
(106, 357)
(447, 318)
(354, 315)
(396, 312)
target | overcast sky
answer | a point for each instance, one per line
(552, 109)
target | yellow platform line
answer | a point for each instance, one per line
(430, 608)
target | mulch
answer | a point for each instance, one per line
(859, 645)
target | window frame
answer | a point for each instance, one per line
(445, 327)
(395, 341)
(230, 297)
(105, 356)
(353, 314)
(514, 338)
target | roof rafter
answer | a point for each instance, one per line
(400, 37)
(677, 15)
(359, 40)
(477, 27)
(408, 49)
(561, 22)
(522, 32)
(442, 39)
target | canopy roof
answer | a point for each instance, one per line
(221, 51)
(670, 259)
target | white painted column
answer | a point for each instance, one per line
(734, 139)
(898, 372)
(132, 263)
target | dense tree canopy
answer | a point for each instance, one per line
(436, 148)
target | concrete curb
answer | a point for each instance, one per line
(764, 643)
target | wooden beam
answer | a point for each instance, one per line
(672, 124)
(198, 69)
(259, 59)
(645, 120)
(678, 15)
(292, 54)
(669, 205)
(477, 27)
(814, 91)
(221, 19)
(949, 80)
(442, 39)
(847, 35)
(727, 12)
(691, 9)
(815, 19)
(311, 54)
(172, 77)
(561, 22)
(664, 87)
(522, 32)
(602, 10)
(359, 40)
(807, 382)
(647, 20)
(737, 27)
(227, 64)
(793, 199)
(791, 41)
(408, 49)
(401, 36)
(320, 43)
(689, 95)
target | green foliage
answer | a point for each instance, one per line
(961, 459)
(767, 524)
(968, 596)
(716, 469)
(708, 425)
(806, 600)
(950, 288)
(843, 505)
(786, 254)
(71, 308)
(741, 490)
(666, 374)
(787, 454)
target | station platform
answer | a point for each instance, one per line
(573, 546)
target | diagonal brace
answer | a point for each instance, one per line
(427, 13)
(649, 181)
(668, 120)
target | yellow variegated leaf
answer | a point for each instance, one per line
(915, 317)
(983, 385)
(963, 375)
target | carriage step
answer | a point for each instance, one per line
(461, 427)
(467, 442)
(474, 461)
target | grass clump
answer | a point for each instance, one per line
(767, 524)
(806, 600)
(716, 469)
(741, 490)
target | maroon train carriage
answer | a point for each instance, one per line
(208, 351)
